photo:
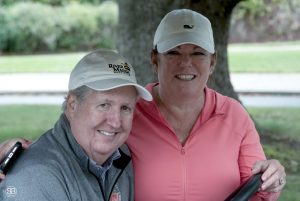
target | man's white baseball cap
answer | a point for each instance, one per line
(184, 26)
(103, 70)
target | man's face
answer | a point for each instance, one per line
(102, 121)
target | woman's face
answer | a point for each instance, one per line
(185, 68)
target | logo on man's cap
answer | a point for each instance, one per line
(120, 68)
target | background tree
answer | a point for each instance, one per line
(139, 19)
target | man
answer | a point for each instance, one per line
(83, 156)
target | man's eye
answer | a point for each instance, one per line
(104, 106)
(126, 109)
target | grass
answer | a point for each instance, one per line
(265, 62)
(30, 121)
(291, 191)
(62, 62)
(278, 120)
(283, 57)
(275, 57)
(279, 123)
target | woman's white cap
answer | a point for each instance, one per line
(184, 26)
(103, 70)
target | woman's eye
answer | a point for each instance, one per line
(173, 52)
(198, 53)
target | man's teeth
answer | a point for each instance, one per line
(185, 77)
(107, 133)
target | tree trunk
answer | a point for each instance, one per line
(138, 21)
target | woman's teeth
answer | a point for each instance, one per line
(185, 77)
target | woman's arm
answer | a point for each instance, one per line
(7, 145)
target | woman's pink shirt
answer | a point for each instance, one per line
(216, 158)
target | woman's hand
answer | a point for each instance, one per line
(273, 177)
(7, 145)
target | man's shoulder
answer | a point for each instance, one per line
(43, 155)
(33, 182)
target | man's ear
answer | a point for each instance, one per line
(71, 105)
(71, 102)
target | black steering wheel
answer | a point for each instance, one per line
(246, 190)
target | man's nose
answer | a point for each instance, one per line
(114, 119)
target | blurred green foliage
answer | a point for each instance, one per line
(32, 27)
(53, 2)
(265, 20)
(252, 9)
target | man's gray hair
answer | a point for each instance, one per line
(79, 93)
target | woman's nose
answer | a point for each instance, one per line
(186, 59)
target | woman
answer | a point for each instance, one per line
(190, 142)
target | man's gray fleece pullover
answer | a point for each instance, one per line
(55, 167)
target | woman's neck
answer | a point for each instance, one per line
(181, 101)
(175, 111)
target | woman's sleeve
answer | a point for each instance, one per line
(251, 151)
